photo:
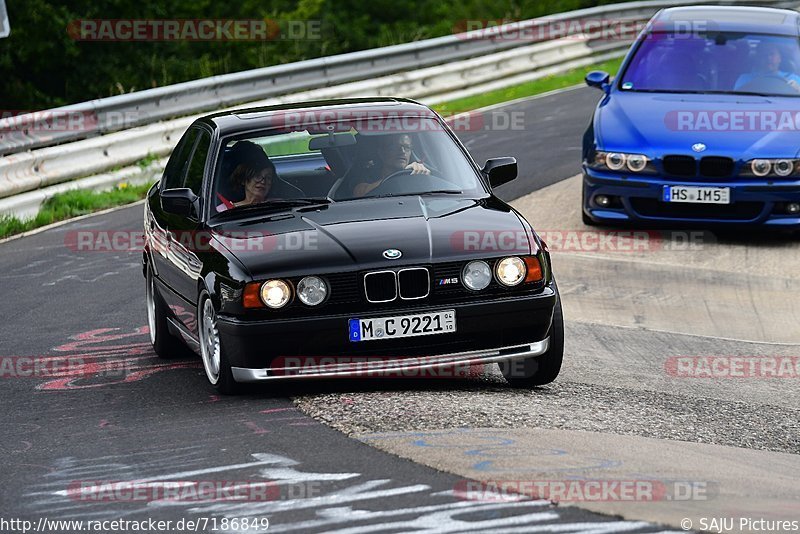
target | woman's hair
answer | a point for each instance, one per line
(252, 160)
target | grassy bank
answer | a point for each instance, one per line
(536, 87)
(73, 204)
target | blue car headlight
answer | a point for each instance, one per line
(620, 161)
(771, 168)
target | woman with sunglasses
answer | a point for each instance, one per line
(253, 175)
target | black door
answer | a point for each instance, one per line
(173, 177)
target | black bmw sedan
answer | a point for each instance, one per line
(339, 239)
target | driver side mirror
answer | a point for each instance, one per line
(181, 201)
(500, 170)
(599, 79)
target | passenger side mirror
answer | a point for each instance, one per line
(599, 79)
(181, 201)
(500, 170)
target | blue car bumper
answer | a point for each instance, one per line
(639, 198)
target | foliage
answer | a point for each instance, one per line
(43, 66)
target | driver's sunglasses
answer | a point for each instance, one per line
(261, 178)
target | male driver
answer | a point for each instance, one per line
(393, 156)
(770, 59)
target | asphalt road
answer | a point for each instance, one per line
(102, 410)
(547, 148)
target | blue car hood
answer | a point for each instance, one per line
(657, 124)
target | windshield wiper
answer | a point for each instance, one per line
(276, 203)
(421, 193)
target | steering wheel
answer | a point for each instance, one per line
(430, 183)
(769, 83)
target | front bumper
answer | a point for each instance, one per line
(753, 202)
(486, 331)
(442, 364)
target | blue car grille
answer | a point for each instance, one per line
(713, 167)
(684, 166)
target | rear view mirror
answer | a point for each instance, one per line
(500, 170)
(332, 140)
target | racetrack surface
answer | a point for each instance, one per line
(127, 415)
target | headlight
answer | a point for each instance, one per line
(618, 161)
(312, 290)
(780, 168)
(477, 275)
(615, 161)
(276, 293)
(783, 167)
(637, 162)
(761, 167)
(510, 271)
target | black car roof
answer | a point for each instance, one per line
(729, 18)
(245, 119)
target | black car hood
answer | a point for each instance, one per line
(353, 235)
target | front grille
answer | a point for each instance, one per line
(687, 167)
(738, 211)
(348, 292)
(680, 166)
(716, 167)
(380, 286)
(414, 283)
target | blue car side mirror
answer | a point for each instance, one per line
(599, 79)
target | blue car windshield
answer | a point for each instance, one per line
(718, 63)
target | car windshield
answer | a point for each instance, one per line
(721, 62)
(340, 161)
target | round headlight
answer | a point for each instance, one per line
(637, 162)
(615, 161)
(783, 167)
(276, 293)
(761, 167)
(511, 271)
(477, 275)
(312, 290)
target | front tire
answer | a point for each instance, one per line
(166, 345)
(215, 361)
(543, 369)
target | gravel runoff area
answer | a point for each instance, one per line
(562, 405)
(582, 398)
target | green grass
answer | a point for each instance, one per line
(73, 204)
(542, 85)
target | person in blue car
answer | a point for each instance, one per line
(770, 59)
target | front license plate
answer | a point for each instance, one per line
(422, 324)
(697, 195)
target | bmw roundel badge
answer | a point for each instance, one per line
(392, 254)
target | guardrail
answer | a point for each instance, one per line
(454, 63)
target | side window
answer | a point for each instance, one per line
(176, 166)
(194, 176)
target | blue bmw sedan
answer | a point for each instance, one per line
(702, 124)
